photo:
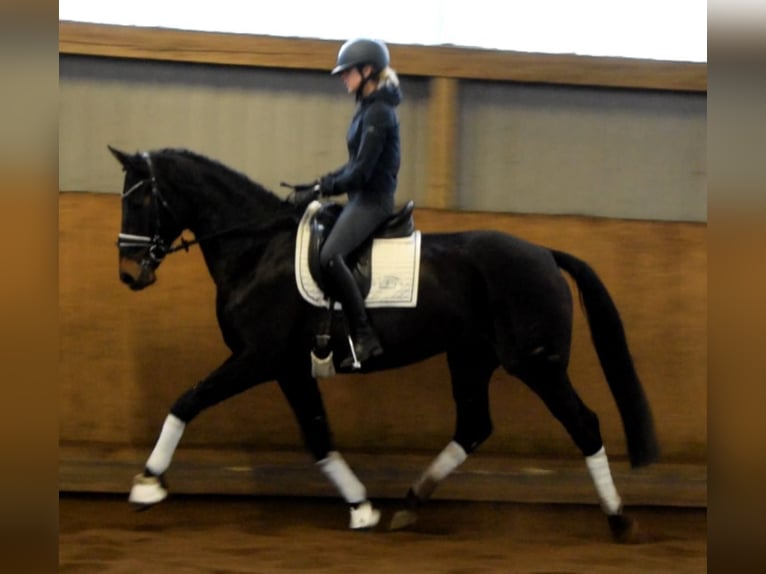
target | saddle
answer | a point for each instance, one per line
(400, 224)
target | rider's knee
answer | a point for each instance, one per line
(327, 261)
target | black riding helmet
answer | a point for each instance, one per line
(360, 52)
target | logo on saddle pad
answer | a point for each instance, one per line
(386, 267)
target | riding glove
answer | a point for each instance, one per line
(305, 193)
(327, 185)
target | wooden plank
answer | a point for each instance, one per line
(433, 61)
(199, 47)
(387, 476)
(442, 144)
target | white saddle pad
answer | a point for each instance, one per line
(395, 268)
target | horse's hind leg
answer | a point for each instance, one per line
(551, 383)
(232, 377)
(471, 370)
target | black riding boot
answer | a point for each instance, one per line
(366, 343)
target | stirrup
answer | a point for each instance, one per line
(355, 361)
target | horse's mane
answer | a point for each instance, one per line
(283, 214)
(233, 178)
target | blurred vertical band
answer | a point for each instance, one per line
(737, 284)
(28, 280)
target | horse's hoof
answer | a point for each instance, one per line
(402, 519)
(364, 516)
(624, 529)
(147, 491)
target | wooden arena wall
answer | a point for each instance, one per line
(125, 356)
(605, 162)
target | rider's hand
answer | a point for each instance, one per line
(305, 193)
(327, 185)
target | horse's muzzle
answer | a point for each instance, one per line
(135, 274)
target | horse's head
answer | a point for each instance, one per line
(148, 225)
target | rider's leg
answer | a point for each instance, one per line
(366, 342)
(356, 223)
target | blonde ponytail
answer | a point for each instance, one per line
(388, 77)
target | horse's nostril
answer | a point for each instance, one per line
(127, 278)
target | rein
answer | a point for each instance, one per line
(185, 244)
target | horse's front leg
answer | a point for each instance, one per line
(238, 373)
(302, 393)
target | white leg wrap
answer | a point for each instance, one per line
(598, 467)
(344, 479)
(171, 433)
(447, 461)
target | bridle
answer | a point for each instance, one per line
(157, 246)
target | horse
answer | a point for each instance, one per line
(487, 300)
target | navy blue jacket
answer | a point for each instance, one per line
(373, 148)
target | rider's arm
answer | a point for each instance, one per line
(356, 173)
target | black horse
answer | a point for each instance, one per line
(487, 300)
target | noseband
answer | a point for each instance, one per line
(157, 247)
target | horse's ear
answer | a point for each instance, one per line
(127, 160)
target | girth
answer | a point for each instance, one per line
(400, 224)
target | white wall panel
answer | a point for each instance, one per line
(601, 152)
(271, 125)
(521, 148)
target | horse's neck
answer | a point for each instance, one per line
(233, 226)
(213, 213)
(214, 198)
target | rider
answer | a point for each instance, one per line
(368, 178)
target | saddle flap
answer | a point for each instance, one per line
(388, 268)
(400, 224)
(358, 261)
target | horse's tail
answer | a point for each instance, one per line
(608, 337)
